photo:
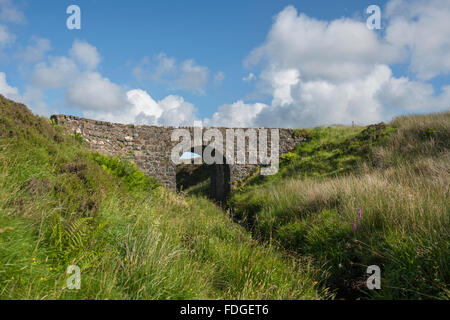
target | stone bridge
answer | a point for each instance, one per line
(150, 147)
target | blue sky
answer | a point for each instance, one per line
(203, 49)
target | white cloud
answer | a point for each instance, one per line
(97, 97)
(171, 111)
(166, 66)
(251, 76)
(33, 97)
(144, 104)
(10, 13)
(281, 82)
(423, 28)
(177, 111)
(404, 94)
(376, 97)
(339, 50)
(238, 114)
(59, 72)
(84, 88)
(139, 70)
(187, 75)
(297, 103)
(62, 71)
(328, 72)
(317, 102)
(141, 108)
(91, 91)
(85, 54)
(35, 51)
(218, 78)
(6, 37)
(6, 90)
(192, 77)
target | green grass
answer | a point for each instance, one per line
(328, 151)
(397, 174)
(62, 205)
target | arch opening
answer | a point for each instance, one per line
(213, 181)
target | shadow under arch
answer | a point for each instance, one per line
(212, 180)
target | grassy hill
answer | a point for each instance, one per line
(299, 236)
(397, 174)
(62, 205)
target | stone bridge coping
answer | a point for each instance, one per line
(59, 117)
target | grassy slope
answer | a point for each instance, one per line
(62, 205)
(399, 175)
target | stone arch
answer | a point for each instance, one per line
(219, 174)
(150, 147)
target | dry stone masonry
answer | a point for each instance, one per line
(150, 147)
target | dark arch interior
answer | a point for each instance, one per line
(213, 180)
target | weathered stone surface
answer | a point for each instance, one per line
(151, 146)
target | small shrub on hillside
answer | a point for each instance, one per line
(127, 171)
(288, 158)
(78, 137)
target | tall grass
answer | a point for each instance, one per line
(61, 205)
(402, 189)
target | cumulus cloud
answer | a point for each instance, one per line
(187, 75)
(6, 37)
(165, 67)
(238, 114)
(85, 54)
(138, 71)
(250, 77)
(62, 71)
(218, 78)
(97, 97)
(10, 13)
(91, 91)
(317, 102)
(342, 49)
(85, 88)
(6, 90)
(58, 72)
(192, 77)
(144, 105)
(141, 108)
(281, 82)
(33, 97)
(328, 72)
(422, 27)
(35, 50)
(373, 98)
(177, 111)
